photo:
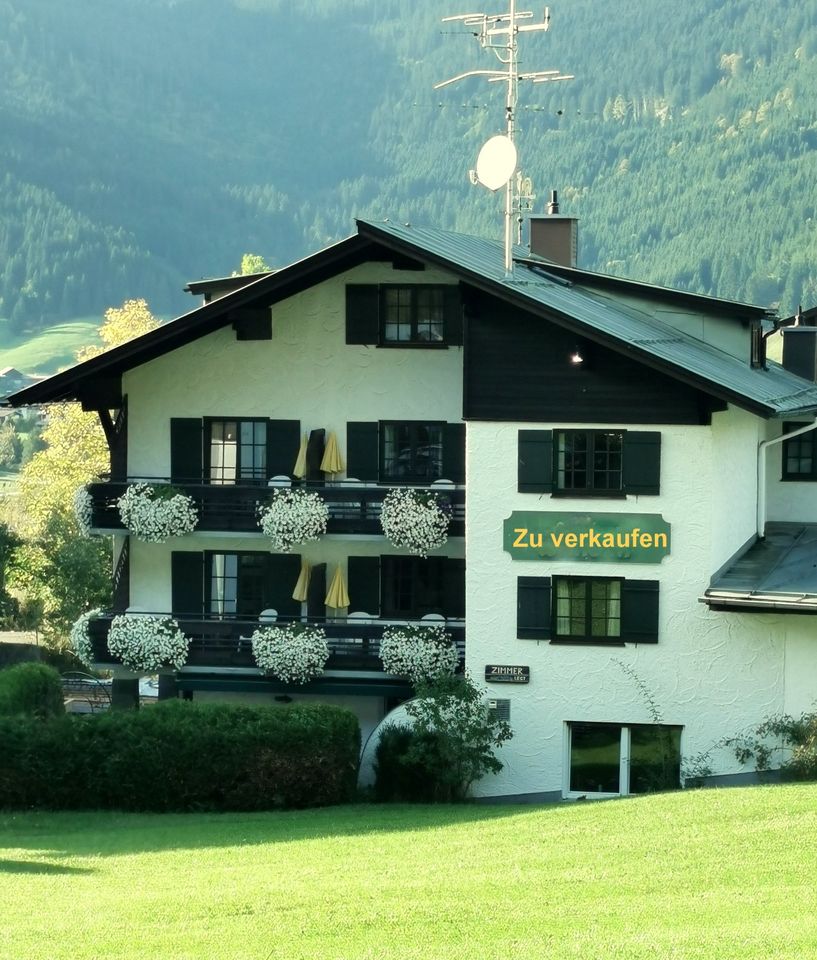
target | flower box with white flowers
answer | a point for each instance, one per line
(144, 643)
(415, 519)
(156, 513)
(293, 517)
(291, 652)
(419, 653)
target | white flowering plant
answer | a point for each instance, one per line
(84, 510)
(156, 513)
(147, 643)
(422, 654)
(415, 519)
(81, 637)
(292, 652)
(292, 517)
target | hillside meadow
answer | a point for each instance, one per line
(709, 874)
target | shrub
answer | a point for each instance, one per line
(31, 688)
(788, 741)
(178, 756)
(449, 746)
(398, 777)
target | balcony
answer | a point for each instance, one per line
(223, 647)
(353, 507)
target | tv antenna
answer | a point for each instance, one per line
(497, 161)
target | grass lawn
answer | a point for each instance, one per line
(49, 350)
(709, 874)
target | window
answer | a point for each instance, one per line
(413, 314)
(411, 451)
(608, 759)
(405, 452)
(799, 460)
(237, 451)
(407, 315)
(236, 584)
(587, 610)
(589, 463)
(412, 587)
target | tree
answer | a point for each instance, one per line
(253, 263)
(9, 446)
(54, 565)
(121, 324)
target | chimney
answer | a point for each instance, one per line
(800, 345)
(554, 237)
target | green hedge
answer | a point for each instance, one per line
(181, 756)
(31, 688)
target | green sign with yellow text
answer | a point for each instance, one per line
(591, 537)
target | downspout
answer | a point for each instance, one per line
(761, 473)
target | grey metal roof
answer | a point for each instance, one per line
(602, 317)
(777, 573)
(772, 392)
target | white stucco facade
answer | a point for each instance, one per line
(715, 674)
(306, 372)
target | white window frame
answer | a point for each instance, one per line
(623, 759)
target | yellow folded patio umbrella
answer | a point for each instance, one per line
(302, 585)
(299, 470)
(332, 460)
(337, 596)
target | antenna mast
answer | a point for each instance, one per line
(499, 32)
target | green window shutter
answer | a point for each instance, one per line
(186, 449)
(642, 462)
(316, 591)
(362, 451)
(362, 313)
(314, 454)
(364, 584)
(283, 570)
(452, 314)
(283, 443)
(533, 619)
(639, 611)
(535, 461)
(454, 587)
(454, 452)
(187, 583)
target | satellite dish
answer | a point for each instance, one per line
(496, 162)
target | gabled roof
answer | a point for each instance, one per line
(534, 287)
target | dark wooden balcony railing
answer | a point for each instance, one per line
(214, 643)
(353, 508)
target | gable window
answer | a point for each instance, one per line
(799, 460)
(587, 610)
(589, 463)
(411, 451)
(610, 759)
(403, 314)
(237, 450)
(413, 314)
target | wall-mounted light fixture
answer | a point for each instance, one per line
(577, 357)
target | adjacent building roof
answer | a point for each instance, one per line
(535, 286)
(777, 573)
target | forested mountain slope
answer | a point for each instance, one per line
(147, 142)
